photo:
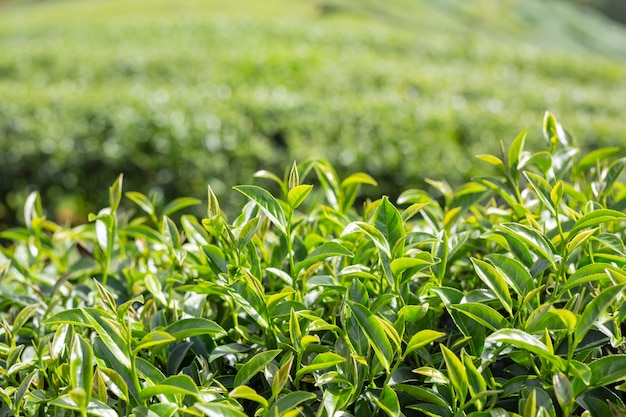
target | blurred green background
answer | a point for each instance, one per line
(181, 94)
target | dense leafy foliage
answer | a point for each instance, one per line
(502, 297)
(175, 95)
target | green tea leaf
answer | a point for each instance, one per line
(197, 326)
(563, 391)
(524, 341)
(495, 281)
(374, 333)
(388, 402)
(513, 272)
(515, 151)
(290, 401)
(219, 409)
(595, 218)
(542, 189)
(254, 366)
(388, 221)
(81, 366)
(421, 339)
(456, 373)
(297, 195)
(594, 310)
(530, 238)
(607, 370)
(321, 361)
(247, 393)
(154, 338)
(482, 314)
(325, 250)
(174, 385)
(267, 203)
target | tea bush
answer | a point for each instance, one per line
(504, 296)
(204, 92)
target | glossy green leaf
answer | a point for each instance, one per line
(325, 250)
(515, 151)
(482, 314)
(594, 310)
(421, 339)
(174, 385)
(267, 203)
(81, 365)
(542, 189)
(523, 340)
(595, 218)
(388, 221)
(381, 243)
(154, 338)
(254, 366)
(530, 238)
(563, 391)
(321, 361)
(388, 402)
(298, 194)
(513, 272)
(142, 201)
(374, 333)
(608, 370)
(290, 401)
(456, 373)
(219, 409)
(185, 328)
(495, 281)
(247, 393)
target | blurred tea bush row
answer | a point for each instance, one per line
(178, 95)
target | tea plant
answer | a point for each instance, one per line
(502, 297)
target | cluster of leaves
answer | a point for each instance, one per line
(503, 297)
(285, 81)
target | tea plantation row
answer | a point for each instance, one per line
(502, 297)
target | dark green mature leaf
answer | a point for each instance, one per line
(374, 333)
(607, 370)
(594, 310)
(594, 157)
(495, 281)
(255, 365)
(267, 203)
